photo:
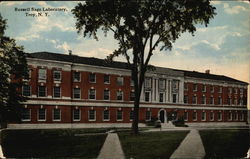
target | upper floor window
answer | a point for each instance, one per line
(203, 99)
(211, 89)
(92, 94)
(26, 90)
(76, 93)
(57, 92)
(106, 94)
(230, 90)
(106, 79)
(175, 84)
(162, 84)
(42, 74)
(132, 83)
(211, 100)
(120, 81)
(194, 99)
(92, 78)
(204, 88)
(236, 90)
(241, 91)
(147, 83)
(41, 91)
(220, 89)
(194, 87)
(161, 97)
(229, 101)
(76, 114)
(76, 76)
(132, 96)
(219, 100)
(57, 75)
(29, 75)
(185, 98)
(119, 95)
(185, 86)
(25, 114)
(174, 98)
(147, 96)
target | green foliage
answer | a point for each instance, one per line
(225, 143)
(13, 66)
(180, 122)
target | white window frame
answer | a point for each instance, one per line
(211, 88)
(60, 115)
(194, 117)
(162, 84)
(89, 115)
(42, 75)
(29, 90)
(220, 90)
(108, 94)
(118, 94)
(162, 97)
(74, 114)
(149, 115)
(203, 96)
(185, 119)
(90, 74)
(186, 99)
(147, 83)
(195, 87)
(219, 116)
(219, 100)
(242, 116)
(195, 99)
(236, 116)
(103, 115)
(185, 86)
(57, 71)
(132, 83)
(130, 115)
(54, 92)
(230, 116)
(120, 81)
(149, 96)
(29, 115)
(74, 93)
(39, 91)
(117, 115)
(130, 95)
(205, 116)
(211, 100)
(204, 88)
(211, 119)
(106, 82)
(92, 89)
(74, 76)
(38, 114)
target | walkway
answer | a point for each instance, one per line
(111, 149)
(1, 151)
(190, 147)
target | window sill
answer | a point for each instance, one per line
(26, 119)
(92, 120)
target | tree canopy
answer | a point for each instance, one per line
(13, 66)
(140, 26)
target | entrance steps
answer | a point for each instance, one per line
(167, 125)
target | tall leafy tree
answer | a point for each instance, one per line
(13, 67)
(140, 26)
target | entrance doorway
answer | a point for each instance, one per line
(162, 116)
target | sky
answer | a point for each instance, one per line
(222, 47)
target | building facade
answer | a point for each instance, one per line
(69, 90)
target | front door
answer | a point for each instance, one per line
(162, 116)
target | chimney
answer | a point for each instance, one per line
(70, 52)
(207, 71)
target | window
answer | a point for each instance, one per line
(230, 90)
(131, 115)
(241, 101)
(219, 100)
(76, 114)
(175, 85)
(92, 94)
(229, 101)
(204, 88)
(56, 114)
(194, 116)
(119, 95)
(91, 115)
(120, 81)
(119, 115)
(220, 89)
(236, 117)
(76, 76)
(41, 91)
(195, 87)
(162, 84)
(106, 79)
(132, 96)
(57, 92)
(219, 116)
(185, 98)
(241, 91)
(211, 116)
(174, 98)
(26, 90)
(194, 99)
(186, 116)
(132, 83)
(236, 90)
(106, 94)
(92, 78)
(242, 117)
(235, 101)
(203, 116)
(76, 93)
(147, 83)
(25, 114)
(161, 97)
(41, 114)
(26, 78)
(203, 99)
(147, 96)
(211, 89)
(106, 115)
(42, 74)
(211, 100)
(57, 75)
(185, 86)
(148, 115)
(230, 116)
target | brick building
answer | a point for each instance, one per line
(73, 91)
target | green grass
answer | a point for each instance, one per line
(56, 143)
(225, 143)
(151, 144)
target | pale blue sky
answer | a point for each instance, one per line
(223, 47)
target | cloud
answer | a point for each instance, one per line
(9, 3)
(233, 10)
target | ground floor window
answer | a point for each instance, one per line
(242, 117)
(203, 116)
(194, 116)
(186, 116)
(92, 115)
(119, 115)
(219, 116)
(106, 115)
(76, 114)
(26, 114)
(230, 116)
(56, 114)
(131, 115)
(148, 115)
(41, 114)
(211, 116)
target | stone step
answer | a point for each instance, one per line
(167, 125)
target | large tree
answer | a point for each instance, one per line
(140, 26)
(13, 67)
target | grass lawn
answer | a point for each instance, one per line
(225, 143)
(151, 144)
(56, 143)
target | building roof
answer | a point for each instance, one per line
(123, 65)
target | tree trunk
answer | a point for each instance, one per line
(136, 117)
